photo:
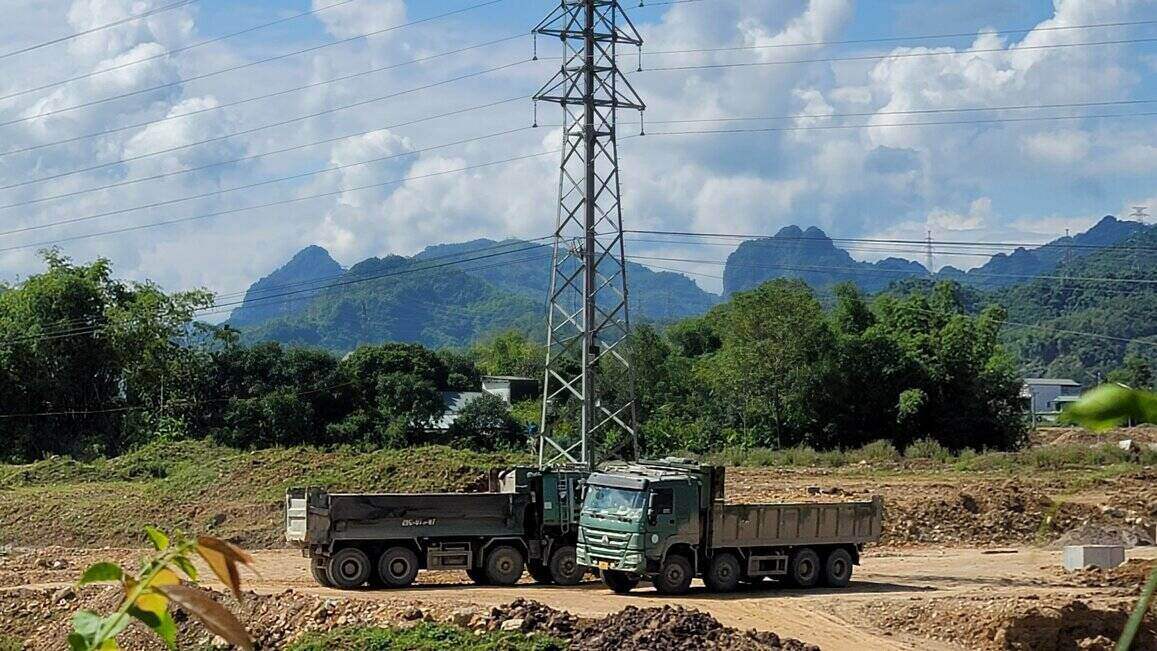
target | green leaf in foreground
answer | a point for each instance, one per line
(1110, 405)
(101, 572)
(158, 538)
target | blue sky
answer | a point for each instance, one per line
(1017, 182)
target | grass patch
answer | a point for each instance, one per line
(423, 637)
(10, 643)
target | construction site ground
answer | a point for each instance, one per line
(969, 560)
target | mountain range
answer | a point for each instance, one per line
(453, 294)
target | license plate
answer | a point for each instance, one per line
(603, 565)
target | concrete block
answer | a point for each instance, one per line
(1078, 557)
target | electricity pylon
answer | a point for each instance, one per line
(588, 322)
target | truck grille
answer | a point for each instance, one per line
(606, 545)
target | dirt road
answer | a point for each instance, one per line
(830, 618)
(900, 598)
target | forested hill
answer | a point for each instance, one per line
(1111, 292)
(813, 257)
(447, 295)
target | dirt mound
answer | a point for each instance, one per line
(673, 629)
(1002, 514)
(1132, 575)
(43, 618)
(1092, 533)
(650, 629)
(1015, 624)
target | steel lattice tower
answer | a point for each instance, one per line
(588, 322)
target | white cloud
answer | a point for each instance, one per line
(356, 18)
(1053, 147)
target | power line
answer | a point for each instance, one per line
(93, 30)
(827, 268)
(271, 204)
(250, 186)
(279, 93)
(344, 280)
(960, 243)
(272, 125)
(937, 123)
(967, 109)
(1011, 323)
(914, 37)
(220, 71)
(900, 55)
(265, 154)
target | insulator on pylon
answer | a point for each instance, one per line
(534, 47)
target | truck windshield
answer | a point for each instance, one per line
(616, 502)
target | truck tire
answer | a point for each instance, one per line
(349, 568)
(803, 568)
(317, 567)
(674, 576)
(504, 565)
(539, 572)
(478, 576)
(564, 567)
(397, 567)
(724, 573)
(619, 582)
(838, 569)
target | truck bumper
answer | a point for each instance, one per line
(626, 560)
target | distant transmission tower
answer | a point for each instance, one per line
(583, 422)
(929, 259)
(1140, 213)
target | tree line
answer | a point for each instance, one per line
(93, 365)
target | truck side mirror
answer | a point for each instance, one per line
(651, 502)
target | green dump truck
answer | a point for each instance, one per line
(528, 520)
(666, 522)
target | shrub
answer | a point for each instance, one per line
(927, 448)
(877, 451)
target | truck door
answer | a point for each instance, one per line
(661, 522)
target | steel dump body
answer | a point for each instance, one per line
(528, 519)
(392, 516)
(790, 525)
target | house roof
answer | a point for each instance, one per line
(1061, 382)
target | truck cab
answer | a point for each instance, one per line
(667, 522)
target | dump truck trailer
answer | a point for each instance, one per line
(667, 522)
(528, 520)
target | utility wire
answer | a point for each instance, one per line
(914, 37)
(881, 240)
(93, 30)
(265, 154)
(826, 268)
(837, 127)
(344, 280)
(1010, 323)
(280, 123)
(282, 202)
(256, 98)
(241, 66)
(899, 55)
(257, 184)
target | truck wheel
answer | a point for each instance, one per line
(478, 576)
(539, 572)
(675, 576)
(349, 568)
(564, 567)
(504, 565)
(838, 569)
(803, 568)
(397, 567)
(320, 573)
(619, 582)
(723, 575)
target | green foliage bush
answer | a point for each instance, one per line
(927, 448)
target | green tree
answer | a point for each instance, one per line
(486, 423)
(395, 394)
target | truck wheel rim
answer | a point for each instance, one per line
(839, 567)
(350, 569)
(399, 567)
(806, 568)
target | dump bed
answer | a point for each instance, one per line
(316, 517)
(782, 525)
